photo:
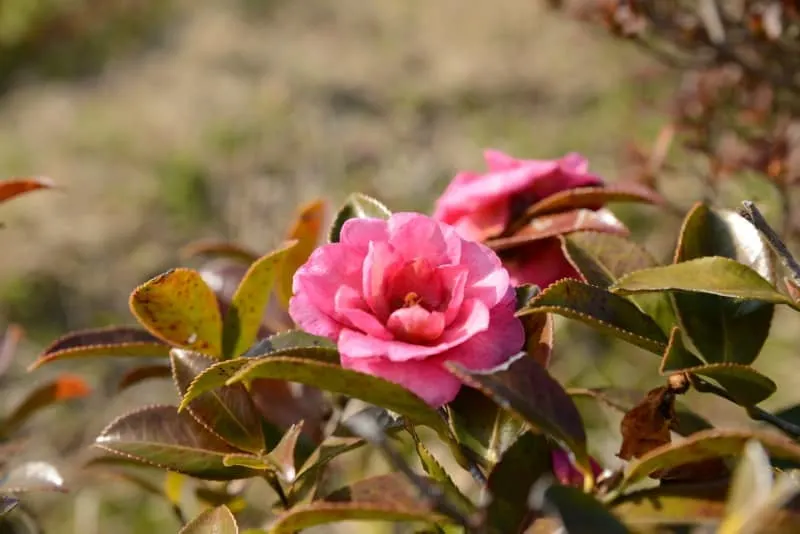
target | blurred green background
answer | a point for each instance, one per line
(164, 121)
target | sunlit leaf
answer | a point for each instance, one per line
(336, 379)
(31, 477)
(247, 307)
(18, 186)
(163, 437)
(217, 520)
(710, 275)
(599, 309)
(307, 232)
(113, 341)
(218, 249)
(526, 389)
(178, 307)
(357, 206)
(142, 374)
(578, 512)
(174, 484)
(382, 498)
(61, 389)
(227, 411)
(750, 487)
(511, 480)
(705, 445)
(594, 198)
(722, 329)
(556, 224)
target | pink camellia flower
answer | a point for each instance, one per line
(566, 473)
(403, 296)
(480, 206)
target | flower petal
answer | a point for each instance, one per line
(540, 262)
(351, 309)
(311, 319)
(379, 260)
(488, 280)
(359, 233)
(415, 324)
(422, 237)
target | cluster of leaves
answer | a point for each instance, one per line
(738, 100)
(22, 477)
(259, 401)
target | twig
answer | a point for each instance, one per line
(275, 484)
(750, 212)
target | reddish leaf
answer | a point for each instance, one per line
(556, 224)
(140, 374)
(63, 388)
(111, 341)
(218, 249)
(226, 411)
(307, 231)
(647, 425)
(594, 198)
(18, 186)
(8, 346)
(793, 288)
(179, 308)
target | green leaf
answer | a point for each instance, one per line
(291, 339)
(217, 520)
(31, 477)
(179, 308)
(227, 411)
(306, 231)
(525, 389)
(346, 382)
(600, 309)
(745, 385)
(220, 373)
(163, 437)
(250, 300)
(706, 445)
(283, 455)
(678, 357)
(511, 480)
(578, 512)
(382, 498)
(711, 275)
(357, 206)
(14, 187)
(603, 258)
(722, 329)
(113, 341)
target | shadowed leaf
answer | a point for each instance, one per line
(745, 385)
(178, 307)
(526, 389)
(307, 231)
(706, 445)
(243, 319)
(283, 455)
(710, 275)
(63, 388)
(382, 498)
(578, 512)
(647, 425)
(334, 378)
(227, 411)
(357, 206)
(218, 249)
(163, 437)
(750, 487)
(112, 341)
(292, 339)
(599, 309)
(32, 477)
(722, 329)
(18, 186)
(217, 520)
(556, 224)
(142, 374)
(594, 198)
(511, 480)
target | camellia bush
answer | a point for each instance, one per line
(430, 336)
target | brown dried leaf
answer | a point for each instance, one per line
(647, 425)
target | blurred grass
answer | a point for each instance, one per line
(165, 121)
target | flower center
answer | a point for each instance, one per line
(411, 299)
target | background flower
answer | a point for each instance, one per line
(403, 296)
